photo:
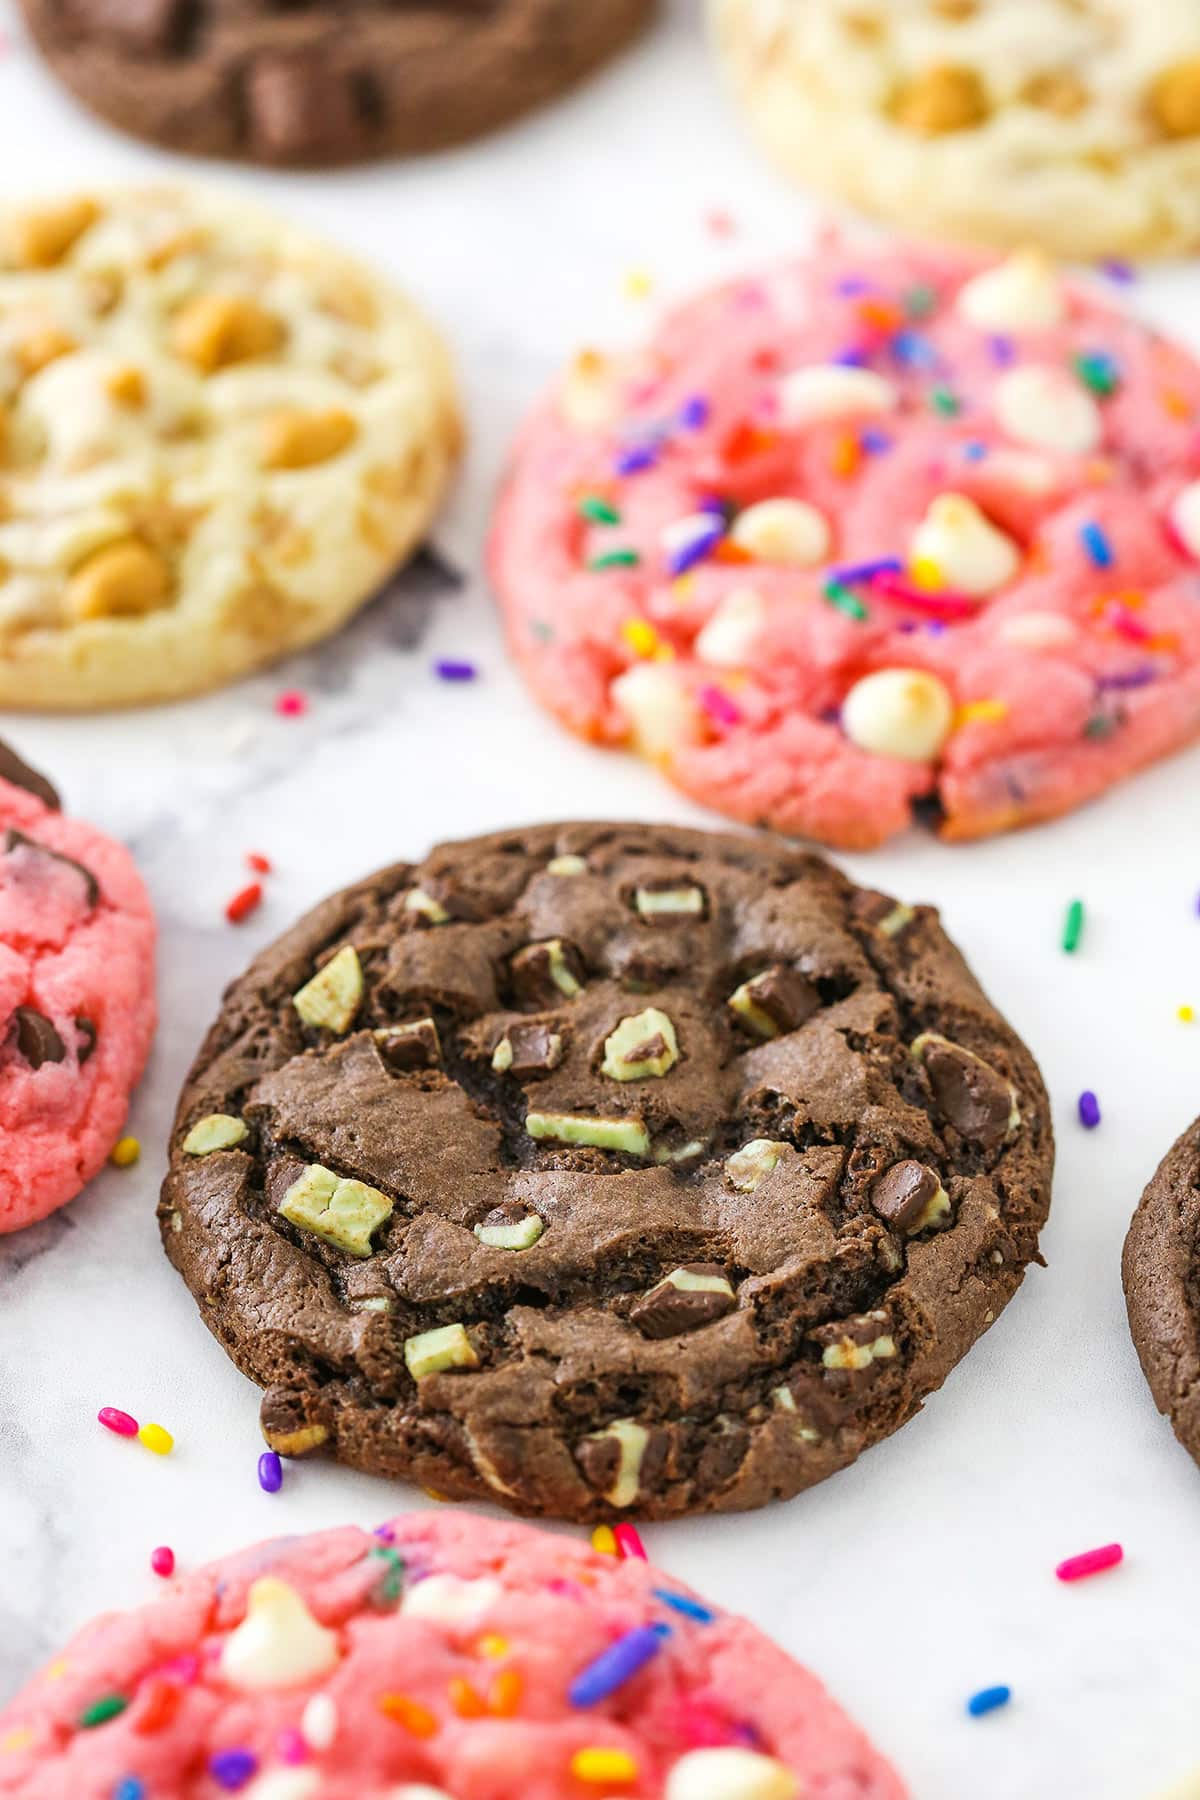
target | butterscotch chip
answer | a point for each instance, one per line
(298, 440)
(42, 236)
(215, 330)
(1175, 99)
(43, 347)
(946, 98)
(122, 581)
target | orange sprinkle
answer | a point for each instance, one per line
(157, 1706)
(845, 455)
(406, 1711)
(727, 551)
(1175, 403)
(882, 315)
(464, 1699)
(505, 1697)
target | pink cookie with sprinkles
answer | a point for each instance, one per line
(441, 1658)
(870, 536)
(77, 1008)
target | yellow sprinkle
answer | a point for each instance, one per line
(56, 1670)
(604, 1540)
(641, 636)
(492, 1646)
(982, 712)
(125, 1152)
(926, 574)
(604, 1765)
(156, 1438)
(638, 284)
(682, 587)
(18, 1739)
(432, 1494)
(1186, 1014)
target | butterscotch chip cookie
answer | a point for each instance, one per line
(1160, 1267)
(322, 82)
(605, 1168)
(219, 437)
(1001, 121)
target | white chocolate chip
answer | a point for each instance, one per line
(285, 1784)
(629, 1135)
(832, 391)
(1023, 470)
(1043, 406)
(218, 1131)
(523, 1235)
(674, 903)
(1185, 517)
(587, 395)
(905, 713)
(631, 1439)
(732, 630)
(729, 1773)
(1037, 631)
(445, 1347)
(340, 1212)
(783, 531)
(964, 547)
(418, 901)
(566, 865)
(451, 1600)
(330, 1000)
(1022, 294)
(748, 1167)
(319, 1722)
(278, 1644)
(846, 1354)
(658, 709)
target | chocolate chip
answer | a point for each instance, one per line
(19, 774)
(675, 1305)
(902, 1195)
(599, 1458)
(412, 1046)
(299, 108)
(37, 1040)
(972, 1096)
(543, 974)
(535, 1049)
(648, 1050)
(87, 1039)
(17, 840)
(783, 997)
(147, 26)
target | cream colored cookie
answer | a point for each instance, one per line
(1075, 123)
(217, 437)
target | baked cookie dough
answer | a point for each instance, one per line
(876, 534)
(77, 1007)
(323, 83)
(434, 1657)
(605, 1169)
(1160, 1268)
(997, 121)
(219, 437)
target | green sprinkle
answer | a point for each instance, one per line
(1100, 727)
(1073, 927)
(920, 301)
(101, 1711)
(386, 1592)
(615, 559)
(844, 601)
(945, 402)
(1097, 373)
(539, 629)
(598, 510)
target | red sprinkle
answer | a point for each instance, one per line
(629, 1544)
(113, 1419)
(244, 903)
(1090, 1562)
(258, 862)
(162, 1560)
(291, 704)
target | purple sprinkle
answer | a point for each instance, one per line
(615, 1666)
(851, 358)
(936, 627)
(232, 1769)
(697, 548)
(849, 573)
(1089, 1110)
(637, 458)
(694, 413)
(850, 285)
(1142, 676)
(385, 1533)
(875, 443)
(1096, 544)
(1002, 349)
(448, 670)
(270, 1472)
(1118, 271)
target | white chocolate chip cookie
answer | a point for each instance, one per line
(1001, 121)
(217, 438)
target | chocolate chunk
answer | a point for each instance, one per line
(535, 1049)
(19, 774)
(599, 1458)
(779, 999)
(906, 1194)
(87, 1039)
(970, 1094)
(689, 1297)
(17, 840)
(144, 26)
(412, 1046)
(37, 1040)
(300, 109)
(887, 915)
(545, 974)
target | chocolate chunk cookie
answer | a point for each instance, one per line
(1161, 1272)
(589, 1168)
(324, 81)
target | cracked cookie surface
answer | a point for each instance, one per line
(323, 83)
(220, 436)
(605, 1168)
(1161, 1272)
(995, 121)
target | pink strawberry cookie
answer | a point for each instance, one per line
(871, 534)
(77, 1005)
(444, 1657)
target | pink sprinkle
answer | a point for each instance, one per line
(183, 1669)
(720, 223)
(943, 605)
(1090, 1562)
(629, 1544)
(719, 706)
(1129, 627)
(291, 1746)
(162, 1560)
(113, 1419)
(291, 704)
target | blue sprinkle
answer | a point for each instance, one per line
(1002, 348)
(690, 1609)
(1096, 545)
(693, 414)
(696, 549)
(232, 1769)
(915, 350)
(974, 452)
(447, 670)
(987, 1700)
(615, 1666)
(1142, 676)
(637, 458)
(129, 1788)
(875, 443)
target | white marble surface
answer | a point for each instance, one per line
(926, 1571)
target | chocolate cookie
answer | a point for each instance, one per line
(323, 82)
(589, 1168)
(1161, 1273)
